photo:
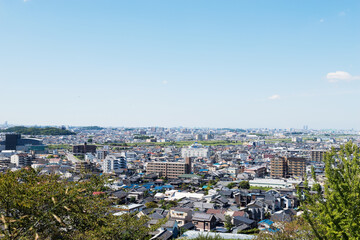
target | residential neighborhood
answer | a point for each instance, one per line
(236, 183)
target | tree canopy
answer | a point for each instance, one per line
(34, 206)
(244, 185)
(333, 211)
(38, 131)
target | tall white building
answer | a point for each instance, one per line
(114, 163)
(21, 160)
(195, 150)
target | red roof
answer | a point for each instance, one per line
(98, 193)
(238, 214)
(215, 211)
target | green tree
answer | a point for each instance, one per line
(334, 212)
(228, 223)
(298, 229)
(151, 205)
(127, 227)
(244, 185)
(231, 185)
(34, 206)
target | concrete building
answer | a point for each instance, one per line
(278, 167)
(21, 160)
(114, 163)
(287, 167)
(257, 171)
(195, 150)
(169, 169)
(296, 139)
(101, 154)
(15, 142)
(82, 149)
(84, 166)
(296, 167)
(317, 155)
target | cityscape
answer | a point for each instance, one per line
(229, 182)
(179, 119)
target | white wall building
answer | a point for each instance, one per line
(21, 160)
(195, 150)
(114, 163)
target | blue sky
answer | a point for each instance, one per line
(240, 64)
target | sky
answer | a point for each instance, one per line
(203, 63)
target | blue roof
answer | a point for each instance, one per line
(148, 185)
(205, 186)
(203, 170)
(132, 186)
(216, 163)
(164, 186)
(267, 221)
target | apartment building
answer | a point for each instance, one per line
(82, 149)
(287, 167)
(84, 166)
(169, 169)
(317, 155)
(296, 167)
(114, 163)
(257, 171)
(278, 167)
(21, 159)
(195, 150)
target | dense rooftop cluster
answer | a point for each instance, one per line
(216, 180)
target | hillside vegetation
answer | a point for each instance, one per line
(38, 131)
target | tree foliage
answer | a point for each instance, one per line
(151, 205)
(38, 131)
(333, 212)
(231, 185)
(298, 229)
(34, 206)
(244, 185)
(228, 223)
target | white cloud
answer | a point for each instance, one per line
(342, 13)
(322, 20)
(164, 82)
(340, 76)
(274, 97)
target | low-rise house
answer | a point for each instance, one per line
(283, 215)
(129, 208)
(240, 214)
(267, 225)
(200, 206)
(226, 193)
(203, 221)
(242, 198)
(171, 226)
(135, 195)
(244, 220)
(176, 195)
(216, 211)
(181, 215)
(163, 235)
